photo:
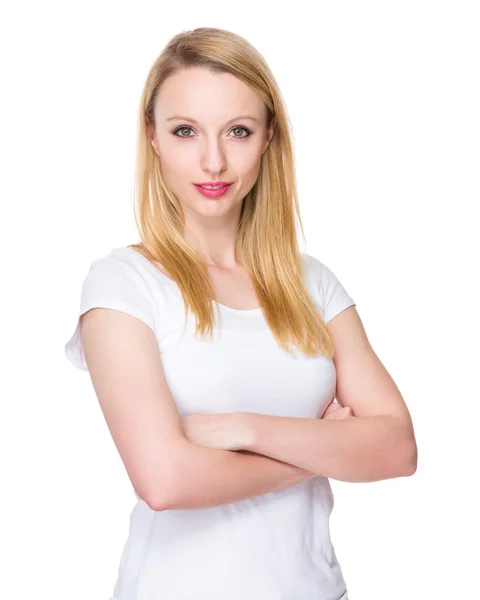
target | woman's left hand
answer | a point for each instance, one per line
(224, 431)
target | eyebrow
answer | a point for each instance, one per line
(182, 118)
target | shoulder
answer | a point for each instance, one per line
(120, 272)
(123, 261)
(326, 287)
(316, 271)
(115, 281)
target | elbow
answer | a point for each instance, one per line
(157, 495)
(161, 497)
(412, 464)
(155, 501)
(403, 449)
(152, 498)
(408, 465)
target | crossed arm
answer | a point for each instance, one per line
(291, 450)
(277, 452)
(355, 450)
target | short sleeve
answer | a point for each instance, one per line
(331, 294)
(111, 283)
(335, 296)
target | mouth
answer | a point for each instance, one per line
(213, 191)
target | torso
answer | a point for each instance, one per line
(233, 289)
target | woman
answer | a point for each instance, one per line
(217, 415)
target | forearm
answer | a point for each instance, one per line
(209, 477)
(354, 450)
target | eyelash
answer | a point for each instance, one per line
(249, 133)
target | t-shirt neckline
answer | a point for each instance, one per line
(173, 284)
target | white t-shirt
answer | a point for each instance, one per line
(271, 547)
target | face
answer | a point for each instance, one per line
(224, 143)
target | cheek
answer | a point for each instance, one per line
(173, 161)
(250, 169)
(247, 160)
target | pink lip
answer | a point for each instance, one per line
(213, 193)
(214, 183)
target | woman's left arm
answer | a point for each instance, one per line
(356, 450)
(378, 444)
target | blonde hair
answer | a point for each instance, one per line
(266, 242)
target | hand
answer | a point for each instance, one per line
(224, 431)
(335, 411)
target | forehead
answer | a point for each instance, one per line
(207, 97)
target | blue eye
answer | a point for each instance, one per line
(183, 127)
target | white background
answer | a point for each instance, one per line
(384, 99)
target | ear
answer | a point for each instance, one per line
(271, 131)
(151, 137)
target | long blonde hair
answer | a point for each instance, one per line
(266, 241)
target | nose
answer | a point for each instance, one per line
(213, 158)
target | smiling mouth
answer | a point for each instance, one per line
(213, 191)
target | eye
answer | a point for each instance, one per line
(236, 128)
(182, 128)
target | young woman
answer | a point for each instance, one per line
(208, 348)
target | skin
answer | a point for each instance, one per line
(213, 150)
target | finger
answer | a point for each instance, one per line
(347, 412)
(341, 413)
(331, 408)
